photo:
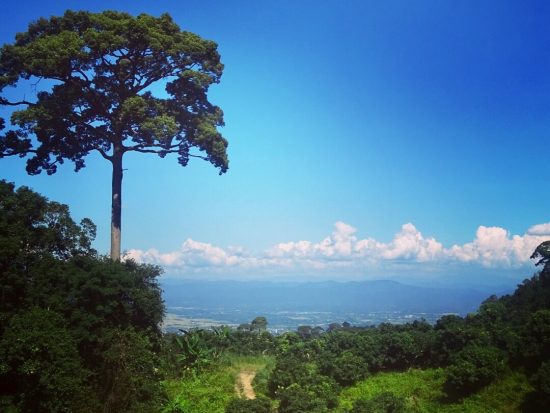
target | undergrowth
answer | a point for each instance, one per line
(211, 390)
(423, 392)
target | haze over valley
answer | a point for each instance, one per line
(287, 305)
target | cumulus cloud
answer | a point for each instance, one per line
(540, 229)
(192, 254)
(492, 247)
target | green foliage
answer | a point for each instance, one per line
(382, 403)
(31, 224)
(259, 324)
(542, 380)
(300, 387)
(542, 253)
(41, 366)
(345, 369)
(245, 342)
(297, 399)
(101, 69)
(260, 382)
(399, 350)
(211, 390)
(422, 391)
(539, 399)
(288, 370)
(33, 231)
(535, 339)
(176, 405)
(258, 405)
(454, 333)
(103, 65)
(79, 333)
(472, 369)
(129, 374)
(192, 354)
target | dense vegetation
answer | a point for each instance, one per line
(80, 333)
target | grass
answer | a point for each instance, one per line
(423, 392)
(211, 390)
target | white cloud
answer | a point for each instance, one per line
(409, 244)
(540, 229)
(192, 254)
(492, 247)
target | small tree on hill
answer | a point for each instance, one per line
(100, 70)
(259, 324)
(472, 369)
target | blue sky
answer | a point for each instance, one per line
(395, 139)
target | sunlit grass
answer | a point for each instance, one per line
(422, 389)
(211, 390)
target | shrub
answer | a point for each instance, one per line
(383, 403)
(258, 405)
(472, 369)
(297, 399)
(41, 365)
(539, 399)
(345, 369)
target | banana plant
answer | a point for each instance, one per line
(193, 356)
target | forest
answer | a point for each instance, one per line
(81, 333)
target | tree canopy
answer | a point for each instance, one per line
(78, 333)
(103, 75)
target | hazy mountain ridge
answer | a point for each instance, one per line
(353, 296)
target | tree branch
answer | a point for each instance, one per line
(17, 153)
(140, 147)
(104, 154)
(204, 158)
(166, 152)
(21, 102)
(84, 75)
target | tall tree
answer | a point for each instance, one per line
(103, 73)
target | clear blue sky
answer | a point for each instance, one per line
(375, 114)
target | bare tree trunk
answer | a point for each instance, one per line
(116, 206)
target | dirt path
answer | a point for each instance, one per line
(243, 385)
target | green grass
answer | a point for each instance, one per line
(211, 390)
(423, 392)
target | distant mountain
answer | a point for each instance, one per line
(331, 296)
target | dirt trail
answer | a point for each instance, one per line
(243, 385)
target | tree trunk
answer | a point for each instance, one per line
(116, 206)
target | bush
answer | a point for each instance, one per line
(383, 403)
(472, 369)
(41, 365)
(539, 400)
(346, 369)
(288, 370)
(258, 405)
(542, 380)
(297, 399)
